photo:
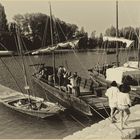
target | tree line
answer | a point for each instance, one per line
(36, 29)
(94, 41)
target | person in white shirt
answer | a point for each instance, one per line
(124, 103)
(74, 86)
(112, 94)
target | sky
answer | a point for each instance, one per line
(92, 15)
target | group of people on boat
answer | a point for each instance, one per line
(119, 101)
(64, 79)
(70, 81)
(43, 72)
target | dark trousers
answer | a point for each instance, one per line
(61, 80)
(77, 91)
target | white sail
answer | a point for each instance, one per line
(67, 45)
(70, 44)
(129, 43)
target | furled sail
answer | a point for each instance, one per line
(67, 45)
(70, 44)
(129, 43)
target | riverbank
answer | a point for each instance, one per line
(59, 51)
(98, 50)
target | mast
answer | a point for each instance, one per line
(23, 62)
(139, 50)
(53, 53)
(117, 35)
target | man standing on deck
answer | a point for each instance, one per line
(74, 84)
(112, 94)
(60, 74)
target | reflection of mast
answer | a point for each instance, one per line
(117, 35)
(53, 53)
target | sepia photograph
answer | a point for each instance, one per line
(70, 69)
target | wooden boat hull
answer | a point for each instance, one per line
(65, 99)
(30, 112)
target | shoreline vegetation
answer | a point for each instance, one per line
(36, 35)
(99, 50)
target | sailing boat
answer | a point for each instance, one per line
(26, 103)
(89, 98)
(129, 72)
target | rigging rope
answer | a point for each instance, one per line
(110, 120)
(23, 62)
(12, 75)
(77, 121)
(11, 55)
(27, 63)
(9, 69)
(62, 31)
(41, 56)
(130, 19)
(107, 118)
(57, 36)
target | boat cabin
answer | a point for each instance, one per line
(129, 73)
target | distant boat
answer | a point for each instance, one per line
(110, 52)
(6, 53)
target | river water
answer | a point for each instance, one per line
(18, 125)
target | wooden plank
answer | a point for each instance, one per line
(82, 89)
(87, 96)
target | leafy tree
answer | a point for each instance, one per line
(130, 33)
(111, 31)
(81, 33)
(3, 20)
(92, 41)
(93, 34)
(83, 42)
(100, 40)
(36, 28)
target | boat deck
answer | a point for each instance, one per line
(96, 102)
(91, 98)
